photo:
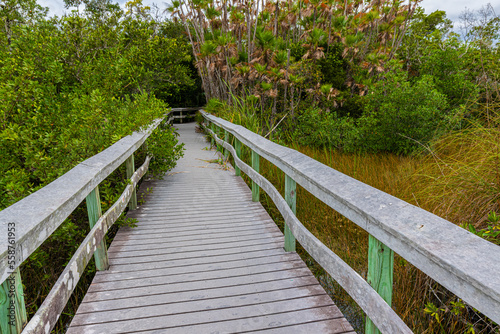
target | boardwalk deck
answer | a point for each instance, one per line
(204, 258)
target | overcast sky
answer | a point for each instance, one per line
(453, 8)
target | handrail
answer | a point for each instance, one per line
(34, 218)
(464, 263)
(184, 112)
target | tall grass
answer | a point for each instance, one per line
(460, 180)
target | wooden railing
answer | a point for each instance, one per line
(29, 222)
(184, 113)
(462, 262)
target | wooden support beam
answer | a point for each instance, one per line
(94, 212)
(291, 199)
(12, 307)
(380, 274)
(237, 147)
(132, 205)
(256, 167)
(212, 140)
(226, 139)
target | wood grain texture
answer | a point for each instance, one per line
(93, 202)
(380, 274)
(12, 306)
(237, 146)
(256, 167)
(464, 263)
(183, 271)
(130, 165)
(291, 199)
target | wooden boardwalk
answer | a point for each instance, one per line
(204, 258)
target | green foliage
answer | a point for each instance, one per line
(401, 116)
(163, 146)
(317, 128)
(332, 66)
(71, 87)
(491, 232)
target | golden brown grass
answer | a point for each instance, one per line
(460, 180)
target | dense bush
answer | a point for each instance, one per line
(400, 115)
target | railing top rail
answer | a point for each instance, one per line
(37, 216)
(464, 263)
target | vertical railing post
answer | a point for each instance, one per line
(132, 205)
(12, 307)
(94, 213)
(291, 199)
(256, 167)
(380, 274)
(237, 147)
(212, 127)
(226, 139)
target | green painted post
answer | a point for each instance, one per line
(132, 205)
(237, 147)
(94, 212)
(226, 139)
(12, 307)
(291, 199)
(256, 167)
(212, 127)
(380, 274)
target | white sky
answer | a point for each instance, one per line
(453, 8)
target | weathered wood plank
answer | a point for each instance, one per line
(245, 230)
(380, 275)
(194, 295)
(256, 167)
(198, 305)
(234, 242)
(331, 326)
(196, 260)
(237, 146)
(189, 232)
(211, 316)
(274, 323)
(194, 268)
(130, 165)
(184, 277)
(201, 284)
(291, 199)
(166, 214)
(192, 228)
(12, 305)
(220, 247)
(93, 202)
